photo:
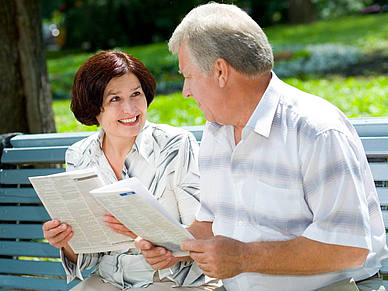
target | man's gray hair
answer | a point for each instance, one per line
(214, 31)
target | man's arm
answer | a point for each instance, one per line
(160, 258)
(223, 257)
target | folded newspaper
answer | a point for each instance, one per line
(80, 199)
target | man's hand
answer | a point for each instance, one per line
(158, 257)
(117, 226)
(219, 257)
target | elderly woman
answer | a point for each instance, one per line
(113, 90)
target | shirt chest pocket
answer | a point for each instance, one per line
(279, 209)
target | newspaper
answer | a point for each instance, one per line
(135, 207)
(66, 197)
(80, 199)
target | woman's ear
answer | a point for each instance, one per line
(221, 72)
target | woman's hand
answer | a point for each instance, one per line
(58, 234)
(117, 226)
(158, 257)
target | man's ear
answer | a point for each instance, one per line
(221, 72)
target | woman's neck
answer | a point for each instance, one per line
(115, 150)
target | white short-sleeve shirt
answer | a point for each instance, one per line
(299, 170)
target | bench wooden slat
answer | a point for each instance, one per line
(31, 267)
(48, 139)
(196, 130)
(370, 126)
(28, 249)
(34, 155)
(382, 192)
(385, 218)
(23, 213)
(384, 268)
(18, 195)
(21, 231)
(25, 267)
(375, 146)
(379, 171)
(11, 177)
(30, 283)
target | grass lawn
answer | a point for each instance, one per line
(356, 97)
(364, 95)
(369, 32)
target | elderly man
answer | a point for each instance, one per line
(287, 198)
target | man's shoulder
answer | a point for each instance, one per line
(303, 110)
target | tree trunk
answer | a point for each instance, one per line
(301, 11)
(24, 86)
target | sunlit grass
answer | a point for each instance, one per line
(175, 110)
(65, 120)
(356, 97)
(369, 32)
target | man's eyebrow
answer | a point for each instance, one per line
(180, 72)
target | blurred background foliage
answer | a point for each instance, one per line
(103, 24)
(339, 52)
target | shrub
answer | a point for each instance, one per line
(316, 59)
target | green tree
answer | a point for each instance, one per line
(25, 89)
(301, 11)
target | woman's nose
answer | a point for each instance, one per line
(128, 106)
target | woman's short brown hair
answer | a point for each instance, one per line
(94, 75)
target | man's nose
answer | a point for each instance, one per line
(186, 92)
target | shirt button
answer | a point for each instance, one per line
(240, 223)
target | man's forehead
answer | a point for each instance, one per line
(183, 61)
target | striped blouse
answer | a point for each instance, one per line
(164, 159)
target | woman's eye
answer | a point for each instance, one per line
(137, 93)
(114, 99)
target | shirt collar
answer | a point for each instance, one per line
(144, 142)
(262, 118)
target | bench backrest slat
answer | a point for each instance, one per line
(24, 213)
(379, 171)
(375, 146)
(13, 177)
(34, 155)
(31, 267)
(21, 231)
(48, 139)
(18, 195)
(28, 249)
(33, 283)
(383, 195)
(367, 126)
